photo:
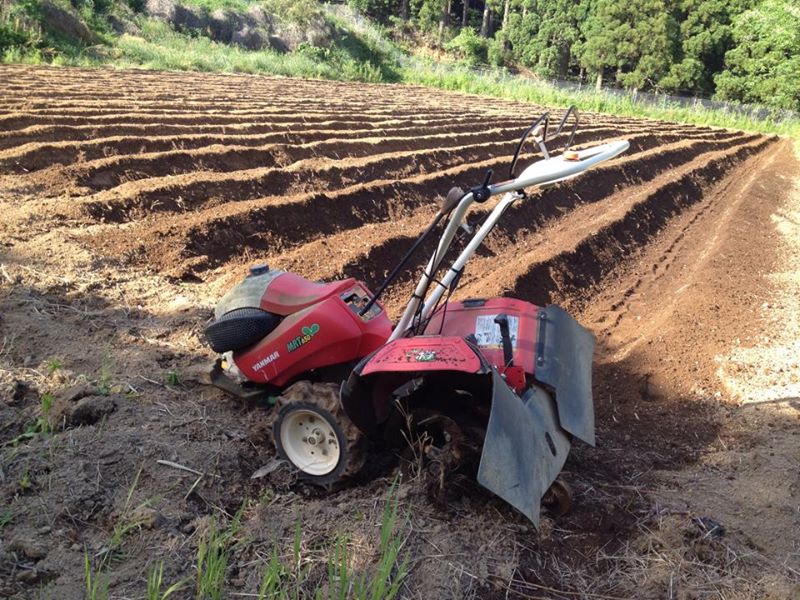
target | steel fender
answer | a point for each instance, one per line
(524, 449)
(564, 362)
(367, 395)
(424, 353)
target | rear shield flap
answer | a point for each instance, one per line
(524, 449)
(564, 362)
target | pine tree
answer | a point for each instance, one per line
(705, 36)
(634, 37)
(764, 66)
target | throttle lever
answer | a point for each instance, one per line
(482, 192)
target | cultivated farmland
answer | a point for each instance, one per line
(132, 200)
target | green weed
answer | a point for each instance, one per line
(155, 579)
(6, 517)
(41, 426)
(43, 422)
(53, 365)
(104, 380)
(172, 378)
(96, 584)
(382, 582)
(129, 519)
(213, 554)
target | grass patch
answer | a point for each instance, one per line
(96, 583)
(503, 85)
(6, 516)
(161, 48)
(341, 579)
(213, 555)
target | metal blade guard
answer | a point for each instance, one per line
(528, 438)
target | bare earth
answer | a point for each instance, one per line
(130, 201)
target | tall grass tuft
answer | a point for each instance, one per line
(155, 579)
(96, 584)
(213, 554)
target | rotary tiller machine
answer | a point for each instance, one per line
(497, 379)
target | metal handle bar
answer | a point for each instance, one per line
(542, 172)
(545, 118)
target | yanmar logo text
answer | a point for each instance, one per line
(266, 360)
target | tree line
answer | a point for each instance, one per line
(741, 50)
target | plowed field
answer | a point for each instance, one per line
(132, 200)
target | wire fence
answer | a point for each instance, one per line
(659, 100)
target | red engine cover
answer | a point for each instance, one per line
(326, 333)
(288, 293)
(476, 317)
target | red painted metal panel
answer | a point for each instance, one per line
(424, 353)
(328, 333)
(476, 317)
(289, 293)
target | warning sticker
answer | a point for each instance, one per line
(487, 332)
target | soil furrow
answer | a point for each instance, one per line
(564, 264)
(209, 238)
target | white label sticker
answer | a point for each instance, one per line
(487, 332)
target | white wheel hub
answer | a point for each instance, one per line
(310, 442)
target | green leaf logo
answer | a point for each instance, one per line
(311, 330)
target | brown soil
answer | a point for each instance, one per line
(132, 201)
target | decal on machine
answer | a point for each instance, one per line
(423, 355)
(266, 360)
(307, 332)
(487, 332)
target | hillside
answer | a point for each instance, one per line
(745, 51)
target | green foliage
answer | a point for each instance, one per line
(764, 65)
(496, 53)
(380, 10)
(545, 37)
(469, 47)
(539, 93)
(635, 38)
(704, 37)
(172, 378)
(10, 37)
(300, 12)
